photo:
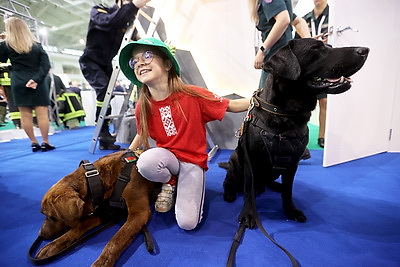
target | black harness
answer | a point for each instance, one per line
(101, 206)
(285, 147)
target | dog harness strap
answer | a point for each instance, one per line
(94, 182)
(286, 147)
(261, 103)
(124, 177)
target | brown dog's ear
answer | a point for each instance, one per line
(284, 64)
(69, 208)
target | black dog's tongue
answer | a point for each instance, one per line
(340, 80)
(325, 83)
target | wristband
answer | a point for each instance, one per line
(262, 48)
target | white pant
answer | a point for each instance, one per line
(158, 165)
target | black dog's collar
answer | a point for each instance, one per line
(259, 102)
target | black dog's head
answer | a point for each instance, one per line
(317, 66)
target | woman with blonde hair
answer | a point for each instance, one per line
(30, 65)
(174, 114)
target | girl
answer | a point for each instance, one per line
(174, 114)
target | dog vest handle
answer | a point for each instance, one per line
(124, 177)
(93, 179)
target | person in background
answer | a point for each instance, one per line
(174, 114)
(5, 81)
(119, 88)
(74, 88)
(58, 83)
(106, 30)
(274, 19)
(3, 106)
(318, 23)
(30, 65)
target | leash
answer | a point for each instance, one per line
(101, 208)
(36, 244)
(249, 187)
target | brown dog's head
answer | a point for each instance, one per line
(63, 209)
(68, 201)
(317, 66)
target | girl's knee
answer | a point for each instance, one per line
(157, 164)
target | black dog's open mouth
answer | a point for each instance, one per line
(331, 86)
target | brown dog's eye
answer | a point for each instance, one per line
(53, 219)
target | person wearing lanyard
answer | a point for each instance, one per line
(317, 21)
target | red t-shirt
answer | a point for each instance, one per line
(184, 134)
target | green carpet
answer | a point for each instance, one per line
(313, 142)
(7, 126)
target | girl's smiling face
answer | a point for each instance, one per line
(149, 67)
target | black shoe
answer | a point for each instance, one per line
(46, 147)
(108, 146)
(321, 142)
(36, 147)
(106, 136)
(306, 154)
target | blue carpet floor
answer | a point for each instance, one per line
(353, 212)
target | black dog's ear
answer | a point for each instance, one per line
(284, 64)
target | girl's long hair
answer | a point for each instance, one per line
(19, 37)
(253, 4)
(176, 85)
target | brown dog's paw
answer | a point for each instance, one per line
(48, 251)
(103, 262)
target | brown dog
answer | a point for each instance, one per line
(68, 209)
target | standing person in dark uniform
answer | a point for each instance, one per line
(106, 30)
(273, 19)
(30, 65)
(318, 23)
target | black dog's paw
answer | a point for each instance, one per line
(247, 218)
(275, 186)
(229, 196)
(296, 215)
(224, 165)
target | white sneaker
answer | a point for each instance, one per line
(166, 198)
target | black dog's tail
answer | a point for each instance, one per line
(223, 165)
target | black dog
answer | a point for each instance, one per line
(275, 132)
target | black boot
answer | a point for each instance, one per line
(105, 135)
(108, 146)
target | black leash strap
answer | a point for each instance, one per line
(148, 239)
(249, 184)
(235, 244)
(94, 182)
(39, 240)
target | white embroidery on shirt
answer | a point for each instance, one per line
(168, 122)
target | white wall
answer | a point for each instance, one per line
(220, 36)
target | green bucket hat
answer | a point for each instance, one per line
(126, 54)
